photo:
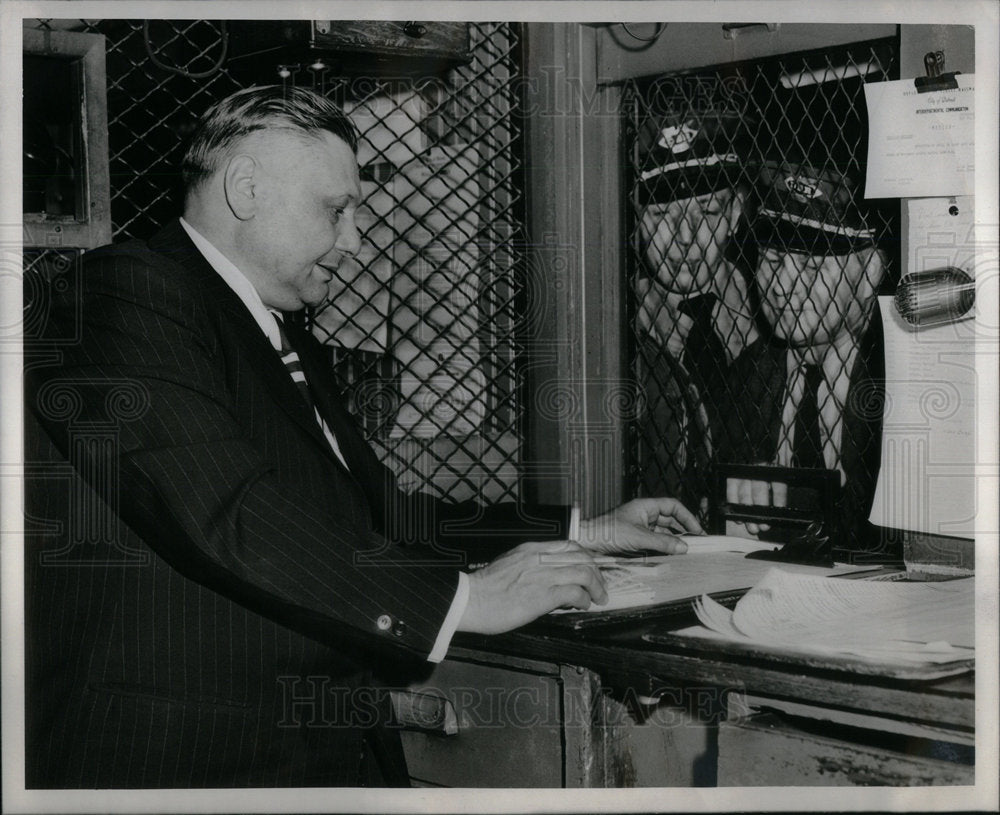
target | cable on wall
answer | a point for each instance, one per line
(224, 39)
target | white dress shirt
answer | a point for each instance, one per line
(837, 363)
(264, 317)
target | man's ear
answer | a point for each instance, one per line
(240, 185)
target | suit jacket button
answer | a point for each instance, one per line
(399, 629)
(384, 622)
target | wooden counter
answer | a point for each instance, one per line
(551, 708)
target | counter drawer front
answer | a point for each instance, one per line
(509, 728)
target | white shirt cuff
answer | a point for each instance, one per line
(451, 621)
(574, 524)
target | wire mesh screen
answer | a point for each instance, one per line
(754, 270)
(420, 326)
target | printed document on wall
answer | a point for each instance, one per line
(920, 144)
(927, 481)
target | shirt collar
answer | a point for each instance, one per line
(837, 363)
(239, 283)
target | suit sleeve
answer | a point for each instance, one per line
(147, 368)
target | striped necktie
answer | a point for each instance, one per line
(294, 366)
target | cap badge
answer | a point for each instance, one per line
(678, 139)
(803, 188)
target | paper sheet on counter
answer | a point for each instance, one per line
(931, 622)
(920, 144)
(927, 482)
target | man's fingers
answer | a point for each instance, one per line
(658, 541)
(571, 597)
(546, 547)
(760, 493)
(570, 552)
(529, 581)
(732, 490)
(761, 496)
(744, 494)
(752, 492)
(587, 577)
(673, 510)
(567, 564)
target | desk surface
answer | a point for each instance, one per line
(624, 660)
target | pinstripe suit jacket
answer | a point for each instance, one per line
(211, 595)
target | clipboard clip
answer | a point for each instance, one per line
(936, 79)
(812, 548)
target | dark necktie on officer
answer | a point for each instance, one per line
(704, 355)
(807, 444)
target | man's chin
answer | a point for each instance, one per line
(314, 300)
(683, 282)
(814, 338)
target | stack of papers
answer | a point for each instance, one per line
(894, 622)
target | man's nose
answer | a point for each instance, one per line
(783, 274)
(791, 269)
(348, 238)
(684, 230)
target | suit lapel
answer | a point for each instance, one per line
(237, 322)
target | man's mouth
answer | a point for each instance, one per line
(330, 271)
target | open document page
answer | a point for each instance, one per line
(712, 564)
(897, 622)
(927, 481)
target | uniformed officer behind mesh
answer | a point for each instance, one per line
(693, 312)
(808, 395)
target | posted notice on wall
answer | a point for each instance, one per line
(927, 481)
(920, 144)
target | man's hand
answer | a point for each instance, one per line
(645, 524)
(756, 493)
(528, 581)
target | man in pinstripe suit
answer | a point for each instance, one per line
(247, 569)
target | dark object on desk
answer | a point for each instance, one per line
(812, 548)
(803, 526)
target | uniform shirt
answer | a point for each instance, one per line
(836, 365)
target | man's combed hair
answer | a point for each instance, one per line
(261, 108)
